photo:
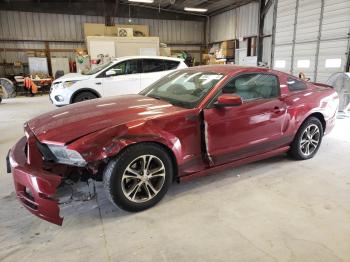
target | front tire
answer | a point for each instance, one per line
(307, 140)
(84, 96)
(139, 177)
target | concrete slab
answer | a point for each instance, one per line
(274, 210)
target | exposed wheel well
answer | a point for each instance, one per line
(320, 117)
(84, 90)
(166, 149)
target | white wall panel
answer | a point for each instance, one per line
(330, 50)
(268, 21)
(305, 52)
(266, 55)
(240, 22)
(223, 26)
(285, 21)
(283, 53)
(247, 20)
(308, 20)
(336, 19)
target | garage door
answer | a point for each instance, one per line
(284, 35)
(334, 41)
(312, 37)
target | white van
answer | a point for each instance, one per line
(125, 75)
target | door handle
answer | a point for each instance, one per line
(276, 109)
(98, 83)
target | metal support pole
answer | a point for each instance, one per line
(318, 41)
(261, 30)
(273, 40)
(294, 35)
(48, 56)
(347, 65)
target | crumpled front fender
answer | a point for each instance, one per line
(108, 143)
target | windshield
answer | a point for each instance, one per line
(183, 88)
(96, 69)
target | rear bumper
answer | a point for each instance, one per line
(35, 187)
(330, 123)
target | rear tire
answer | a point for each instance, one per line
(139, 177)
(308, 139)
(84, 96)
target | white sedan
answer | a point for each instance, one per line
(126, 75)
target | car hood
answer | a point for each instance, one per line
(72, 77)
(69, 123)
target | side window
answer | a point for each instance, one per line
(253, 86)
(124, 68)
(152, 65)
(295, 84)
(171, 65)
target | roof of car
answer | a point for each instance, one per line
(148, 57)
(225, 69)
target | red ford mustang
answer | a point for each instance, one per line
(190, 123)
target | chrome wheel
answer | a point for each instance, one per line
(143, 178)
(310, 139)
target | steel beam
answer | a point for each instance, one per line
(96, 8)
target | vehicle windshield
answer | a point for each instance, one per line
(183, 88)
(96, 69)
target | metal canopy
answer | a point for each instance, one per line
(159, 9)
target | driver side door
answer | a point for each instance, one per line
(127, 79)
(249, 129)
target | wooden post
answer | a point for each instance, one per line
(48, 56)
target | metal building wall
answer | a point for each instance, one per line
(171, 31)
(240, 22)
(308, 32)
(42, 26)
(61, 27)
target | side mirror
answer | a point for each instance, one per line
(227, 100)
(113, 72)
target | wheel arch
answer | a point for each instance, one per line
(85, 89)
(320, 117)
(165, 147)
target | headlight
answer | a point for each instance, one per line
(69, 83)
(67, 156)
(56, 85)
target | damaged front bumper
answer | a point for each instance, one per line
(35, 187)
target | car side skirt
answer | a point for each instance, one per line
(236, 163)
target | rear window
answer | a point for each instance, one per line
(296, 84)
(170, 65)
(152, 65)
